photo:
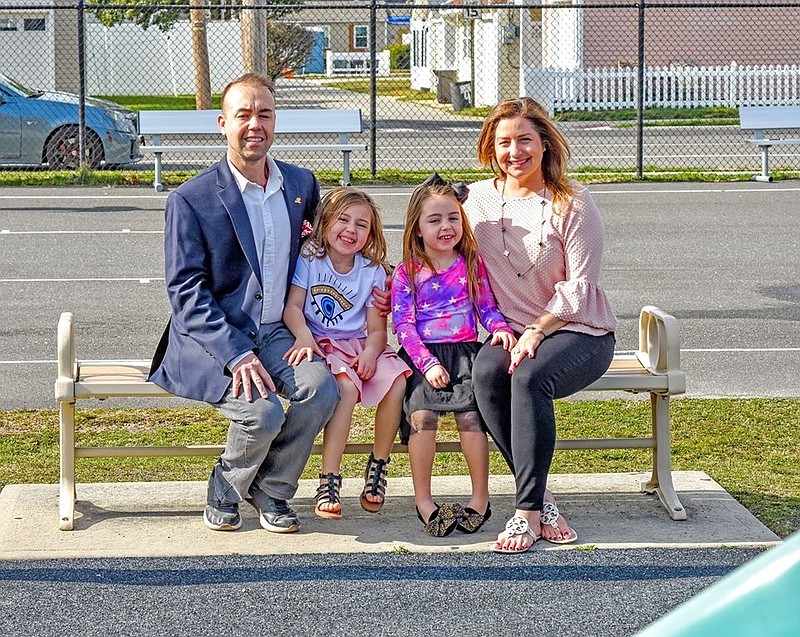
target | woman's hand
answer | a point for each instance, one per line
(507, 339)
(438, 377)
(382, 299)
(525, 348)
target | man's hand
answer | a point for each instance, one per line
(247, 372)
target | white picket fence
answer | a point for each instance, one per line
(612, 88)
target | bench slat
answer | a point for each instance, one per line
(442, 446)
(106, 379)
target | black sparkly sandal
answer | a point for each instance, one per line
(443, 520)
(374, 484)
(471, 521)
(328, 493)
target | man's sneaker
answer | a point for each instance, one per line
(273, 514)
(222, 517)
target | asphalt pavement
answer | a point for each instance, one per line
(722, 258)
(140, 562)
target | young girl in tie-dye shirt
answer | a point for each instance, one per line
(439, 293)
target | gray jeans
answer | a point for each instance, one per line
(265, 447)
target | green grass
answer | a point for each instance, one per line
(750, 446)
(160, 102)
(362, 177)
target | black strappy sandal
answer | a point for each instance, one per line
(328, 493)
(374, 484)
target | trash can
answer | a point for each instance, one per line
(444, 85)
(461, 95)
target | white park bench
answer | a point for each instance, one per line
(654, 368)
(154, 125)
(762, 118)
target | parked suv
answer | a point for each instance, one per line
(41, 127)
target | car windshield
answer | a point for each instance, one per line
(18, 88)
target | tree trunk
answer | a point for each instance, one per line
(253, 24)
(202, 74)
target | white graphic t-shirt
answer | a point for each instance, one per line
(336, 304)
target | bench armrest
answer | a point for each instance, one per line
(65, 383)
(659, 347)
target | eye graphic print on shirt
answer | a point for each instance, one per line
(329, 303)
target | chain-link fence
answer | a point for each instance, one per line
(638, 87)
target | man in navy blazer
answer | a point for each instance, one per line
(231, 241)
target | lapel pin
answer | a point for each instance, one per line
(298, 200)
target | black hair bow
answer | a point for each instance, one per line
(460, 189)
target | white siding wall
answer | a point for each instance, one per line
(26, 56)
(127, 59)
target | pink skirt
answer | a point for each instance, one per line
(340, 356)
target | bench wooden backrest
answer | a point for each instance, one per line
(310, 120)
(762, 117)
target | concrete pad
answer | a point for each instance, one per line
(156, 519)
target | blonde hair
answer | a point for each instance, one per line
(555, 158)
(414, 253)
(333, 204)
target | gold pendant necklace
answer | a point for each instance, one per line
(506, 252)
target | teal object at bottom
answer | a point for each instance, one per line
(759, 598)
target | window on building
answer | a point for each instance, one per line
(326, 37)
(360, 37)
(8, 24)
(33, 24)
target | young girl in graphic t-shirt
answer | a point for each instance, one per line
(330, 312)
(439, 292)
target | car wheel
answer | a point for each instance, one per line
(63, 149)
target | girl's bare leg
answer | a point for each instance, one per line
(336, 433)
(421, 450)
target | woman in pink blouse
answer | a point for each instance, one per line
(541, 238)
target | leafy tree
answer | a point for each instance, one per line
(166, 13)
(288, 47)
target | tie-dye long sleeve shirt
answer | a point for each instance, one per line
(441, 310)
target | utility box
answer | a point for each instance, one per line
(461, 95)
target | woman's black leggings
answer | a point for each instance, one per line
(518, 408)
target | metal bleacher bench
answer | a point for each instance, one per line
(762, 118)
(340, 122)
(653, 368)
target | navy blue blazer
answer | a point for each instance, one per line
(214, 278)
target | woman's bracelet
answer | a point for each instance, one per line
(536, 328)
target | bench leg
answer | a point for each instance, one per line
(157, 180)
(764, 176)
(66, 504)
(346, 168)
(661, 481)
